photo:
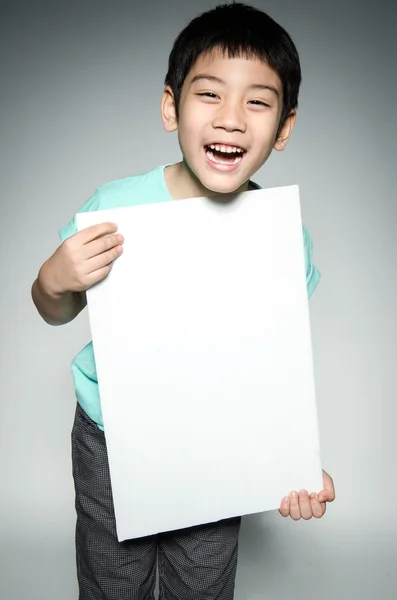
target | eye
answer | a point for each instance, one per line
(208, 94)
(259, 103)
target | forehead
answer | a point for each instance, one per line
(242, 68)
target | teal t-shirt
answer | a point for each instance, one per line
(140, 189)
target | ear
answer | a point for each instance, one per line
(284, 133)
(168, 110)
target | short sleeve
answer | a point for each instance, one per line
(71, 228)
(312, 274)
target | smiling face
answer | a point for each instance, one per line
(229, 116)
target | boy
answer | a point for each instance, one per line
(231, 92)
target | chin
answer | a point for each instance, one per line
(221, 184)
(225, 190)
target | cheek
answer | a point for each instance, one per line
(267, 134)
(190, 133)
(193, 120)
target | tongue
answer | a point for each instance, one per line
(224, 156)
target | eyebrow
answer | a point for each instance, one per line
(253, 86)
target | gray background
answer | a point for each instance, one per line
(80, 89)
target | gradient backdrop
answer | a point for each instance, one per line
(80, 90)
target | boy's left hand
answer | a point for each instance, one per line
(303, 506)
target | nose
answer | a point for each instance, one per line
(230, 117)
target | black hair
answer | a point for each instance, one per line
(238, 30)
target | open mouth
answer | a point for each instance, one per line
(224, 155)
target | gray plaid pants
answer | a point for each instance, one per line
(198, 563)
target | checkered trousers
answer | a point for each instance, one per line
(198, 563)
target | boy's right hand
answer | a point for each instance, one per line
(83, 259)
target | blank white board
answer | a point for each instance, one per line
(201, 335)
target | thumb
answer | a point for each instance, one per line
(328, 493)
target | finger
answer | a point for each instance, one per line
(294, 506)
(95, 231)
(318, 509)
(103, 244)
(328, 493)
(103, 260)
(284, 507)
(98, 275)
(304, 505)
(325, 496)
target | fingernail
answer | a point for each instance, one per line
(286, 500)
(294, 495)
(312, 495)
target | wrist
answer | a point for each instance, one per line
(47, 282)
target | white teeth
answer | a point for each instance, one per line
(227, 149)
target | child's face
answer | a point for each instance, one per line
(235, 103)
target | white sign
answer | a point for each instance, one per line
(202, 341)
